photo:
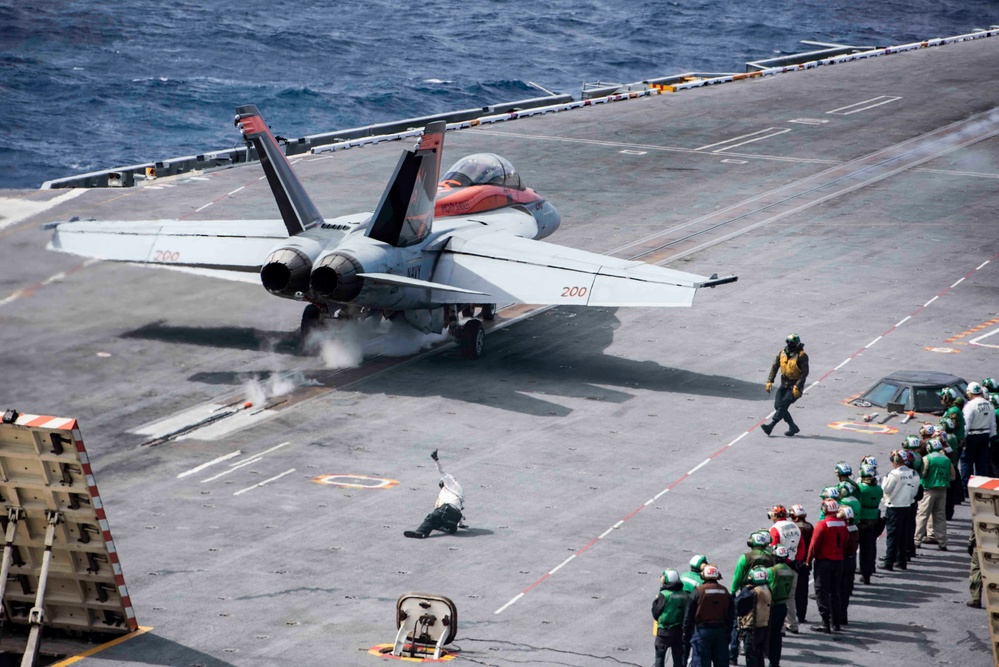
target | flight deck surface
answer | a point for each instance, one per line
(857, 204)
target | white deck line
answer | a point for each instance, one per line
(504, 607)
(562, 564)
(699, 466)
(741, 136)
(772, 134)
(873, 342)
(266, 481)
(741, 436)
(226, 472)
(845, 362)
(258, 454)
(210, 463)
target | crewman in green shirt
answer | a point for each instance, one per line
(758, 556)
(692, 578)
(868, 520)
(938, 473)
(780, 578)
(669, 609)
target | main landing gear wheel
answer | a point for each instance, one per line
(472, 339)
(310, 322)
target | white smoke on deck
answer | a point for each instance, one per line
(345, 344)
(279, 383)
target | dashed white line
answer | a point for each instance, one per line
(930, 301)
(957, 283)
(810, 386)
(661, 493)
(242, 187)
(54, 278)
(210, 463)
(561, 565)
(618, 524)
(13, 297)
(606, 533)
(699, 466)
(743, 435)
(903, 321)
(203, 207)
(503, 608)
(980, 266)
(649, 502)
(845, 362)
(266, 481)
(873, 342)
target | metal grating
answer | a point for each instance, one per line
(45, 478)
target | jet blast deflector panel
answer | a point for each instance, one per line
(60, 565)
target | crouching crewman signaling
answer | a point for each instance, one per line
(447, 510)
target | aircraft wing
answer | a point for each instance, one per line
(233, 250)
(512, 269)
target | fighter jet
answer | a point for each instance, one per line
(428, 252)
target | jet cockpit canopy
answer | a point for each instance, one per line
(482, 169)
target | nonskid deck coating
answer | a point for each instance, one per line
(574, 420)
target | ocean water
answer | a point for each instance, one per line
(88, 85)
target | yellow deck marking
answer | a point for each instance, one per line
(972, 330)
(114, 642)
(864, 427)
(356, 481)
(385, 651)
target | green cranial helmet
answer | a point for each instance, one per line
(911, 442)
(697, 562)
(793, 342)
(947, 395)
(757, 576)
(671, 577)
(990, 384)
(759, 538)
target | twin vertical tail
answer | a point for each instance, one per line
(297, 210)
(405, 213)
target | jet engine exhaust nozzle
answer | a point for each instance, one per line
(335, 277)
(285, 272)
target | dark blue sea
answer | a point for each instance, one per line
(91, 85)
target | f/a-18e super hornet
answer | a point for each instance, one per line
(427, 252)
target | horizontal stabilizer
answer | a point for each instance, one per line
(403, 281)
(220, 245)
(514, 269)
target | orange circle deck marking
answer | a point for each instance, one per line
(385, 651)
(942, 350)
(356, 481)
(864, 427)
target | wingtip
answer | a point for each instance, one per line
(715, 281)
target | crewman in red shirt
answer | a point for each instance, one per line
(825, 555)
